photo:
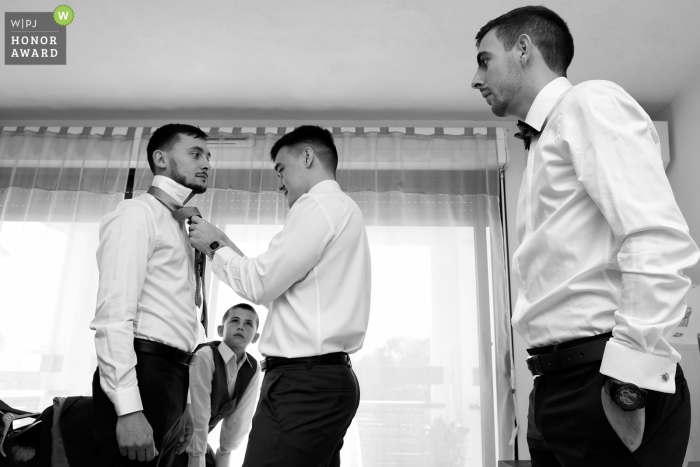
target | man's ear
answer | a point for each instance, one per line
(160, 159)
(523, 49)
(255, 338)
(220, 330)
(308, 157)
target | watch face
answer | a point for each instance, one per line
(629, 397)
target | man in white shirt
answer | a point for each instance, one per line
(602, 248)
(146, 320)
(315, 280)
(223, 384)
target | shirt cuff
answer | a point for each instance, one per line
(126, 401)
(222, 256)
(195, 461)
(222, 460)
(644, 370)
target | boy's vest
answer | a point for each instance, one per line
(221, 405)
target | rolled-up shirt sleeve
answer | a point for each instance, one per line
(291, 255)
(127, 238)
(616, 155)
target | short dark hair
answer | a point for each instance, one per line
(245, 306)
(319, 138)
(165, 137)
(547, 30)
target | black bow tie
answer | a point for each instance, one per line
(526, 133)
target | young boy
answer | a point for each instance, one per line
(223, 383)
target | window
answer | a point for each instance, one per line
(419, 367)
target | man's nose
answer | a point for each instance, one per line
(477, 80)
(280, 185)
(206, 165)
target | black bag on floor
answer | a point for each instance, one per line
(63, 431)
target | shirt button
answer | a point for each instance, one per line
(664, 376)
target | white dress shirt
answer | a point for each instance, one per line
(602, 241)
(314, 278)
(146, 289)
(235, 426)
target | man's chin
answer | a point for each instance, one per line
(196, 188)
(498, 111)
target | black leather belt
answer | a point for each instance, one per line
(338, 358)
(544, 360)
(163, 350)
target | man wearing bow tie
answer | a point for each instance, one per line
(147, 317)
(602, 248)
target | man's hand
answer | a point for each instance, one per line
(629, 426)
(187, 431)
(135, 437)
(202, 234)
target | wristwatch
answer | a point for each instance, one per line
(214, 246)
(626, 395)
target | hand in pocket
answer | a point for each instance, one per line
(629, 426)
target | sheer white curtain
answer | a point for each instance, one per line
(436, 366)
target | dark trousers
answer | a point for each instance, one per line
(163, 385)
(568, 428)
(302, 416)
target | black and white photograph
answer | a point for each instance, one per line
(314, 233)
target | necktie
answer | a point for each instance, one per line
(181, 213)
(526, 133)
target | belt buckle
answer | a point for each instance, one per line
(193, 359)
(533, 364)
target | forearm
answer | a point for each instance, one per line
(198, 446)
(292, 253)
(114, 346)
(227, 266)
(200, 409)
(126, 241)
(652, 303)
(237, 425)
(616, 157)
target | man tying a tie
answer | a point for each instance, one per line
(315, 281)
(147, 317)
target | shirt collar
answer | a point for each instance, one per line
(171, 187)
(544, 101)
(227, 354)
(325, 186)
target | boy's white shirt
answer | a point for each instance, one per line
(234, 427)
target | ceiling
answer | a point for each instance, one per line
(325, 59)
